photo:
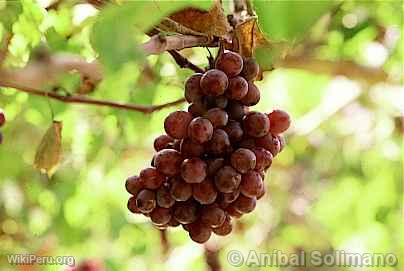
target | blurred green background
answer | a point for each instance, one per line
(338, 185)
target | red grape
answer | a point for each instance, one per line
(225, 228)
(236, 110)
(132, 206)
(234, 131)
(204, 192)
(280, 121)
(163, 196)
(160, 216)
(191, 149)
(180, 190)
(243, 160)
(227, 179)
(250, 69)
(199, 232)
(162, 142)
(151, 178)
(2, 118)
(238, 88)
(253, 95)
(146, 201)
(219, 144)
(133, 185)
(186, 212)
(214, 82)
(192, 88)
(264, 158)
(176, 124)
(256, 124)
(251, 184)
(168, 162)
(245, 204)
(214, 165)
(213, 216)
(200, 130)
(230, 63)
(217, 116)
(193, 170)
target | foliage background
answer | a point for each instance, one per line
(337, 185)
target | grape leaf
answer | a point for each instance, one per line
(113, 34)
(49, 151)
(211, 23)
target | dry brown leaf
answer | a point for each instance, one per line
(49, 151)
(211, 23)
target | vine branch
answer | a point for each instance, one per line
(85, 100)
(183, 62)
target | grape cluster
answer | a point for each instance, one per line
(210, 165)
(2, 122)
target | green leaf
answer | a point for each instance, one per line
(289, 20)
(113, 35)
(9, 11)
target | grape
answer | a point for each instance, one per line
(186, 212)
(204, 192)
(213, 216)
(264, 158)
(151, 178)
(168, 162)
(160, 216)
(225, 228)
(253, 95)
(163, 196)
(132, 206)
(256, 124)
(173, 222)
(193, 170)
(280, 121)
(230, 197)
(133, 185)
(261, 193)
(243, 160)
(236, 110)
(146, 201)
(214, 82)
(251, 184)
(234, 131)
(162, 142)
(221, 102)
(196, 109)
(199, 232)
(193, 91)
(214, 165)
(176, 124)
(250, 69)
(245, 204)
(200, 130)
(227, 179)
(218, 117)
(2, 118)
(180, 190)
(247, 143)
(238, 88)
(219, 144)
(269, 142)
(191, 149)
(230, 63)
(210, 165)
(231, 211)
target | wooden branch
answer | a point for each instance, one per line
(183, 62)
(345, 68)
(85, 100)
(160, 43)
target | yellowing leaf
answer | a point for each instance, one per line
(49, 151)
(211, 23)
